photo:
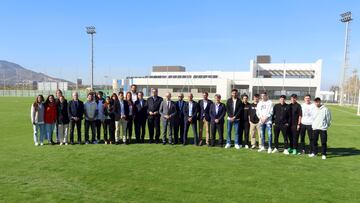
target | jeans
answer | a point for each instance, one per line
(229, 131)
(49, 128)
(39, 127)
(263, 127)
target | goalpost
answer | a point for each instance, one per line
(358, 106)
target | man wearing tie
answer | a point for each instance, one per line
(217, 114)
(179, 120)
(168, 112)
(76, 112)
(153, 106)
(204, 118)
(140, 117)
(233, 108)
(121, 110)
(190, 113)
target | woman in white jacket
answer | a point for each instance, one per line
(37, 119)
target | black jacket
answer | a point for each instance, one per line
(220, 115)
(117, 110)
(204, 113)
(63, 115)
(281, 114)
(252, 114)
(295, 112)
(195, 110)
(140, 112)
(244, 112)
(76, 109)
(230, 108)
(179, 109)
(154, 105)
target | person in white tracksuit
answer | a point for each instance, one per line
(321, 123)
(264, 111)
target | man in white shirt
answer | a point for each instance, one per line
(264, 112)
(133, 93)
(308, 114)
(190, 118)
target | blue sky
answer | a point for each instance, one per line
(50, 37)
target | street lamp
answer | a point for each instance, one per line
(91, 31)
(345, 18)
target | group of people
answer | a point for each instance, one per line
(117, 115)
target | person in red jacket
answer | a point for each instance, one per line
(50, 116)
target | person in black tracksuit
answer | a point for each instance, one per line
(244, 121)
(295, 123)
(281, 120)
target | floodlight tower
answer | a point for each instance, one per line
(91, 31)
(345, 18)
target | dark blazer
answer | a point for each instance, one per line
(117, 110)
(220, 115)
(63, 115)
(230, 108)
(195, 111)
(76, 110)
(140, 112)
(180, 114)
(154, 105)
(204, 113)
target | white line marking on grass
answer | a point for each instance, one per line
(354, 114)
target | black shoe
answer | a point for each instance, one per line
(72, 143)
(79, 142)
(156, 142)
(164, 143)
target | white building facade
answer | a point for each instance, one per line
(274, 78)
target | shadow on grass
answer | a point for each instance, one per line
(341, 152)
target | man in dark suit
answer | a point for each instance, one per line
(233, 109)
(153, 104)
(121, 110)
(168, 112)
(76, 112)
(179, 120)
(217, 114)
(190, 118)
(204, 118)
(140, 113)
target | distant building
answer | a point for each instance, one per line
(79, 82)
(52, 86)
(274, 78)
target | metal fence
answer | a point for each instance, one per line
(45, 93)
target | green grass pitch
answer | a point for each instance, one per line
(157, 173)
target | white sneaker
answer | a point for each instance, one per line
(323, 157)
(227, 146)
(261, 149)
(269, 150)
(311, 155)
(66, 143)
(36, 144)
(286, 152)
(253, 147)
(274, 150)
(61, 143)
(41, 144)
(246, 146)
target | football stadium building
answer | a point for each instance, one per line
(274, 78)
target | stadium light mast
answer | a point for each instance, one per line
(345, 18)
(91, 31)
